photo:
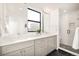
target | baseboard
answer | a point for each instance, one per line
(73, 53)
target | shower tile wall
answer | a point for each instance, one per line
(72, 26)
(73, 23)
(70, 21)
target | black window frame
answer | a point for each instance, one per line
(34, 21)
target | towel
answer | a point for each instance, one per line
(75, 44)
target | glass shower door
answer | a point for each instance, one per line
(68, 31)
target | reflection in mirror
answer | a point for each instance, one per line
(12, 25)
(15, 25)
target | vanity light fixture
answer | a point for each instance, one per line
(46, 10)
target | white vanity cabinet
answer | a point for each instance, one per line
(45, 45)
(38, 46)
(19, 49)
(51, 43)
(13, 53)
(28, 51)
(41, 47)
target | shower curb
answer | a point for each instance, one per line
(76, 54)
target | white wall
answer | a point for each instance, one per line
(51, 21)
(17, 13)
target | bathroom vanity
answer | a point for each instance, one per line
(38, 45)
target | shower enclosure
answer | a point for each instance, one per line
(68, 23)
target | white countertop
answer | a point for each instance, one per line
(21, 38)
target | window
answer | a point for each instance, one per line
(34, 20)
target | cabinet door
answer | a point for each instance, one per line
(28, 51)
(14, 53)
(41, 47)
(52, 43)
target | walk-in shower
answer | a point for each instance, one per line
(68, 24)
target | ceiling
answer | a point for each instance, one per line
(62, 6)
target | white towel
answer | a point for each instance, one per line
(75, 44)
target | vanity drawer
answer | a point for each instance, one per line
(17, 46)
(27, 51)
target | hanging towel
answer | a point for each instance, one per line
(75, 44)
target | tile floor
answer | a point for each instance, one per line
(59, 53)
